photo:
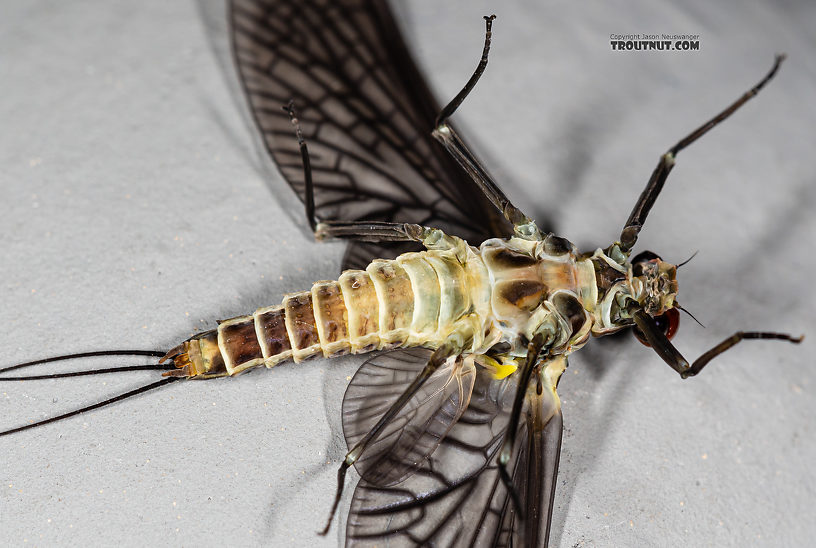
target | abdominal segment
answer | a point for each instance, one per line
(414, 300)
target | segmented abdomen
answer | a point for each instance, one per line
(413, 300)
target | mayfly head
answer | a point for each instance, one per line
(654, 285)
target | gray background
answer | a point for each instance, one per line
(138, 209)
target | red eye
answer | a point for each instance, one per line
(668, 322)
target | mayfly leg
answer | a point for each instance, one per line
(666, 350)
(444, 133)
(308, 183)
(380, 231)
(523, 226)
(646, 323)
(364, 231)
(630, 231)
(85, 372)
(533, 350)
(453, 346)
(371, 231)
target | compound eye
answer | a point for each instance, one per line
(672, 319)
(668, 322)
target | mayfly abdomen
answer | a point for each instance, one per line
(415, 300)
(360, 297)
(395, 297)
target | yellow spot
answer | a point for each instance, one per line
(682, 503)
(505, 369)
(704, 456)
(631, 523)
(35, 161)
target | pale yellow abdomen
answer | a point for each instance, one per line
(417, 299)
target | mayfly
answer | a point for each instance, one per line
(479, 336)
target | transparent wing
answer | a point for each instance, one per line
(537, 452)
(456, 498)
(407, 440)
(365, 111)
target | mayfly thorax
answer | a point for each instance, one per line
(469, 308)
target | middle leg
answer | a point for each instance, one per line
(380, 231)
(523, 226)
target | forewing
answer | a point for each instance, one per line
(534, 474)
(456, 498)
(365, 111)
(404, 442)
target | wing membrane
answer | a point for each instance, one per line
(366, 114)
(456, 497)
(407, 440)
(534, 475)
(365, 111)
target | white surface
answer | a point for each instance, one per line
(136, 209)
